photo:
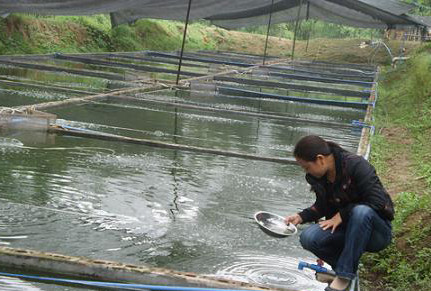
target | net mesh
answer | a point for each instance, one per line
(226, 13)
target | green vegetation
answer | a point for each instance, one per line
(406, 102)
(26, 34)
(316, 29)
(160, 35)
(422, 7)
(403, 118)
(29, 34)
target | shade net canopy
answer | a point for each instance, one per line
(362, 13)
(228, 13)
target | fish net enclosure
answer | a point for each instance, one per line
(163, 174)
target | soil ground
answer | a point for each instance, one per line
(322, 49)
(398, 178)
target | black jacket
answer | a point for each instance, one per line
(356, 183)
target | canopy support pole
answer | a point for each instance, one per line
(296, 28)
(310, 27)
(184, 41)
(267, 32)
(308, 39)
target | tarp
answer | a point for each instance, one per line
(228, 13)
(164, 9)
(425, 20)
(322, 10)
(359, 13)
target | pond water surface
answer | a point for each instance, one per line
(166, 208)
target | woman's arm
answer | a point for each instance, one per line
(311, 213)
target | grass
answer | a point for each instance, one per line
(24, 34)
(404, 110)
(405, 264)
(407, 103)
(29, 34)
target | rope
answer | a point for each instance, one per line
(113, 285)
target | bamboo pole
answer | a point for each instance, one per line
(119, 138)
(73, 101)
(151, 87)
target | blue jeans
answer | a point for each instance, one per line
(365, 231)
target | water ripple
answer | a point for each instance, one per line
(278, 272)
(14, 284)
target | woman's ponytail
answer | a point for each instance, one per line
(310, 146)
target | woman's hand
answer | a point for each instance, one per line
(294, 219)
(332, 223)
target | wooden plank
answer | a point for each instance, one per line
(364, 146)
(80, 267)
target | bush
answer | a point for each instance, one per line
(123, 38)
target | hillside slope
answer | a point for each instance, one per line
(23, 34)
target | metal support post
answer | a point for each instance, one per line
(184, 41)
(296, 28)
(267, 33)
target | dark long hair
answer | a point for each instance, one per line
(308, 147)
